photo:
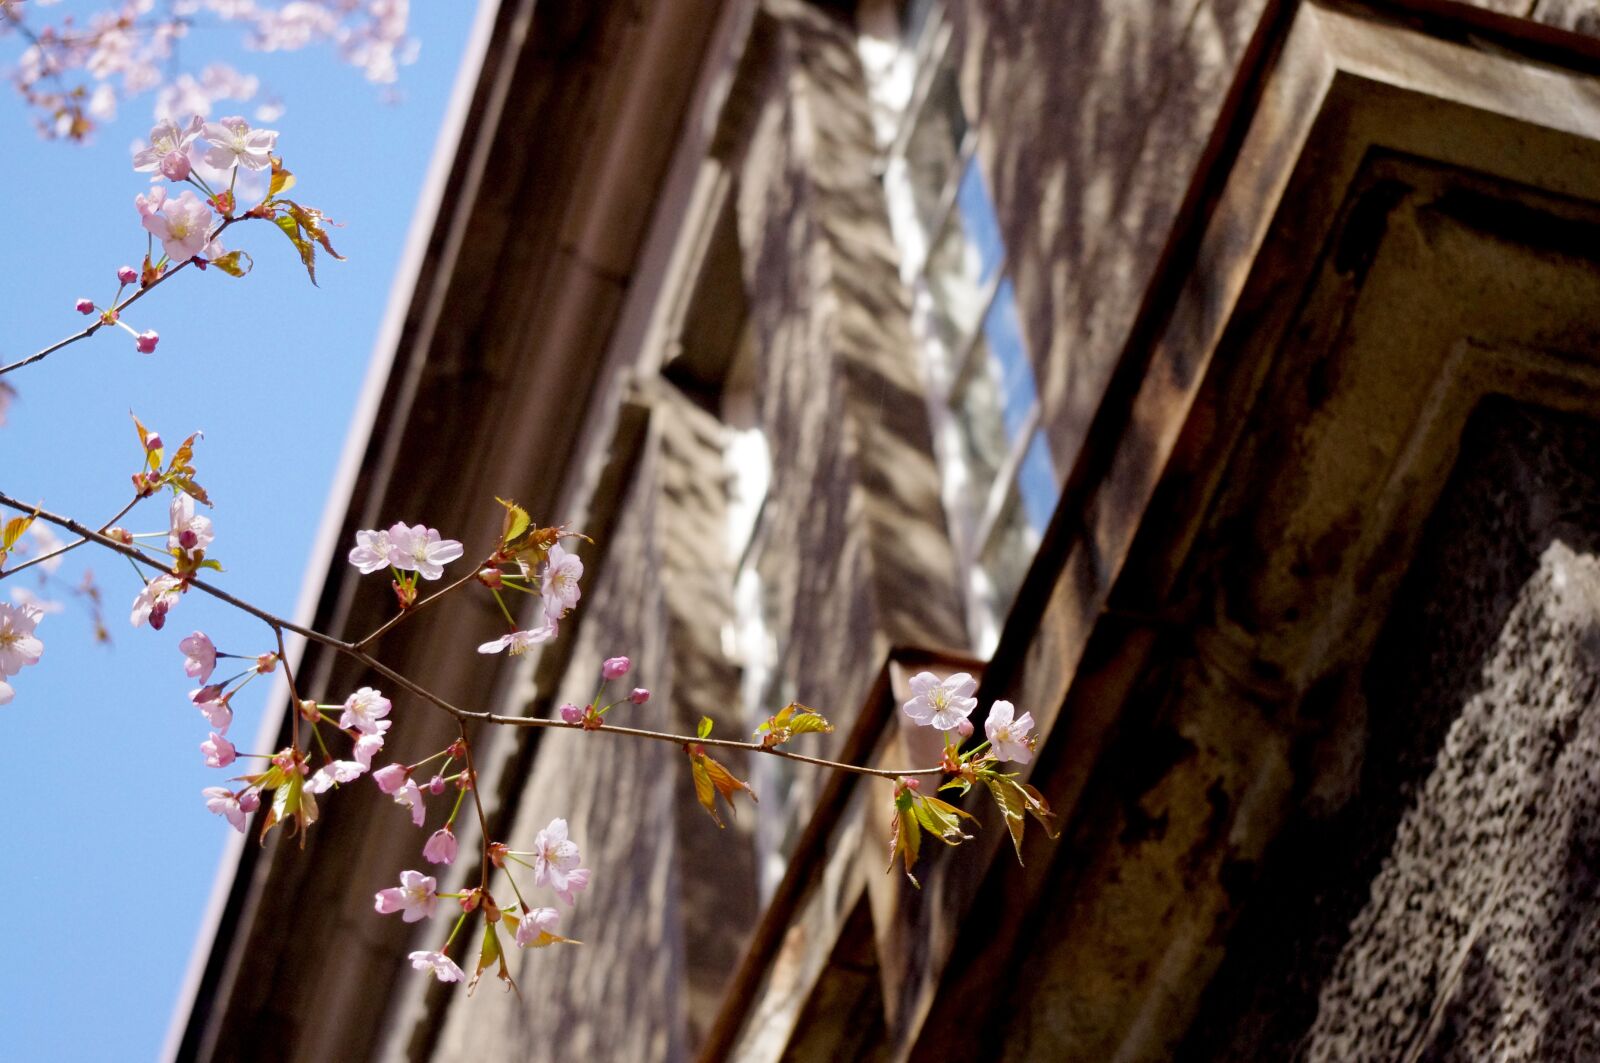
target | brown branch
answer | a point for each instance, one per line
(100, 322)
(417, 608)
(58, 551)
(354, 652)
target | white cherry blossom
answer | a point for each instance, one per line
(419, 549)
(942, 704)
(1009, 737)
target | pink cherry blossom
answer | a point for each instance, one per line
(199, 656)
(416, 897)
(249, 801)
(364, 710)
(150, 203)
(219, 752)
(1009, 738)
(519, 642)
(367, 747)
(232, 140)
(145, 342)
(223, 802)
(158, 596)
(555, 857)
(127, 274)
(570, 713)
(335, 771)
(438, 964)
(168, 146)
(615, 667)
(941, 704)
(639, 695)
(19, 647)
(391, 777)
(561, 574)
(440, 847)
(537, 926)
(964, 728)
(577, 882)
(188, 533)
(410, 796)
(419, 549)
(372, 551)
(213, 704)
(84, 306)
(183, 226)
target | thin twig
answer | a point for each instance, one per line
(352, 651)
(58, 551)
(417, 608)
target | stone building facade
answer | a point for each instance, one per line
(1218, 380)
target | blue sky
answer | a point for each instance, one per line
(110, 852)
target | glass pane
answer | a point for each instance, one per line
(979, 417)
(964, 261)
(933, 149)
(1005, 559)
(1038, 483)
(1002, 344)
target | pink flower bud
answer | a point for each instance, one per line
(152, 441)
(146, 342)
(266, 662)
(127, 274)
(175, 166)
(85, 306)
(249, 801)
(391, 777)
(615, 667)
(436, 785)
(440, 847)
(571, 713)
(639, 696)
(964, 728)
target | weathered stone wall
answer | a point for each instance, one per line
(672, 897)
(1095, 116)
(854, 547)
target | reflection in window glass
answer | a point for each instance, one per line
(1003, 565)
(933, 150)
(956, 283)
(978, 220)
(1003, 346)
(984, 445)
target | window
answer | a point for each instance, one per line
(1000, 481)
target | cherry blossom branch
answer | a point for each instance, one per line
(101, 322)
(477, 804)
(417, 608)
(58, 551)
(354, 652)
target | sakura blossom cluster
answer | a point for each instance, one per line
(75, 71)
(555, 863)
(945, 705)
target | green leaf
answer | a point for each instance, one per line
(711, 779)
(229, 263)
(491, 953)
(308, 253)
(13, 531)
(516, 522)
(793, 719)
(905, 837)
(282, 179)
(704, 730)
(1017, 801)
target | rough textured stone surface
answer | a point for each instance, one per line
(1486, 660)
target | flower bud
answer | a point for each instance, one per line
(570, 713)
(121, 535)
(308, 711)
(146, 342)
(85, 306)
(436, 785)
(615, 667)
(490, 577)
(964, 728)
(639, 696)
(175, 166)
(249, 801)
(152, 441)
(127, 274)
